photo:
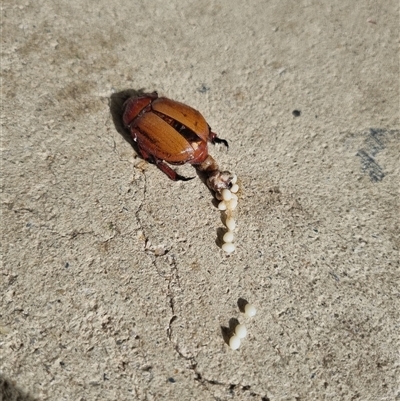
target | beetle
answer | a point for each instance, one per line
(167, 131)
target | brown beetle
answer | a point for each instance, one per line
(172, 132)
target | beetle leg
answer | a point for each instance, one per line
(171, 173)
(214, 139)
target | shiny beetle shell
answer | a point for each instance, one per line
(172, 132)
(167, 130)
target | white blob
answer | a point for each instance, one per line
(226, 194)
(234, 196)
(228, 237)
(232, 204)
(234, 179)
(222, 205)
(228, 247)
(230, 223)
(250, 310)
(241, 331)
(235, 188)
(234, 342)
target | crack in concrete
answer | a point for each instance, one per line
(173, 278)
(139, 209)
(230, 387)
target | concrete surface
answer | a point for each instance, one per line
(113, 287)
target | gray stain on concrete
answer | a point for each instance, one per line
(374, 143)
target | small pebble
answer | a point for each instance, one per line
(228, 247)
(235, 188)
(226, 194)
(222, 205)
(228, 237)
(234, 342)
(250, 310)
(230, 223)
(241, 331)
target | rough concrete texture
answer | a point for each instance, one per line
(112, 284)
